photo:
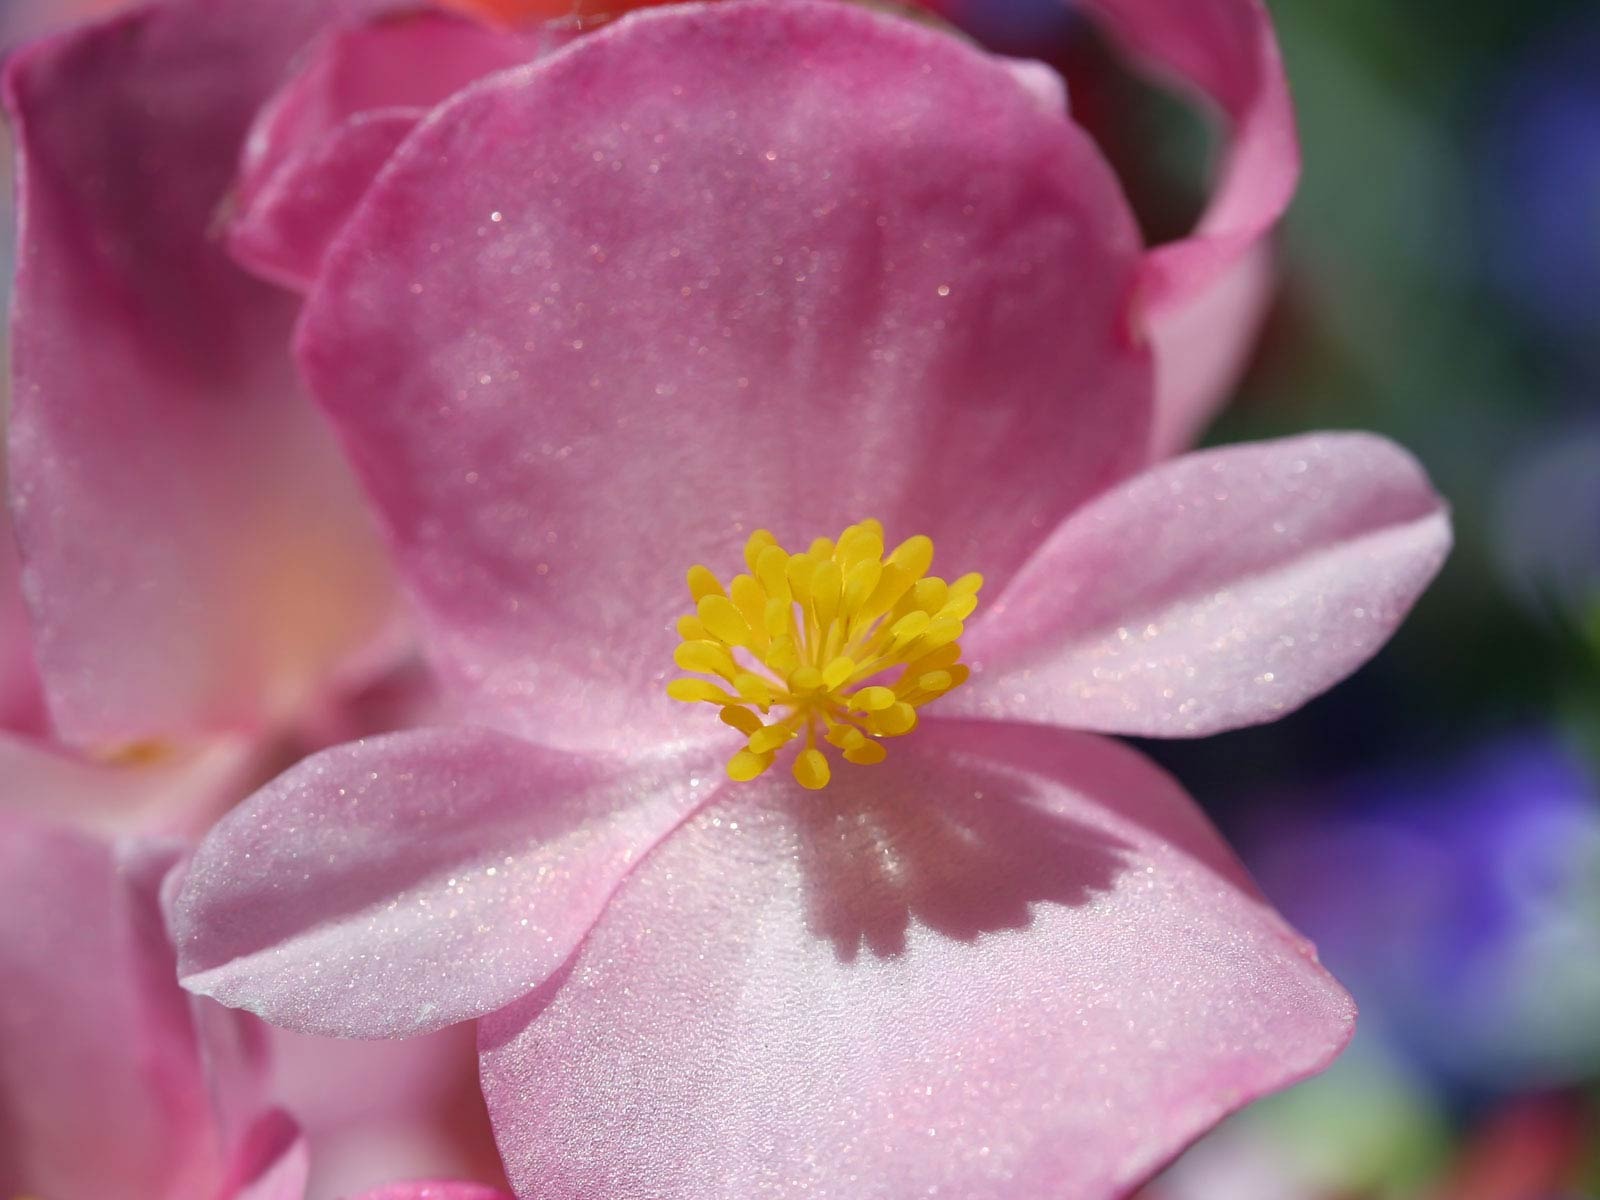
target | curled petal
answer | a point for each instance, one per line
(315, 148)
(398, 885)
(1010, 962)
(1202, 297)
(578, 347)
(1221, 589)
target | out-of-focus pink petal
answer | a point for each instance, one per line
(576, 347)
(1222, 589)
(195, 554)
(273, 1162)
(401, 884)
(436, 1191)
(1202, 297)
(1226, 49)
(1203, 348)
(1010, 961)
(21, 703)
(102, 1090)
(316, 147)
(376, 1111)
(177, 793)
(285, 229)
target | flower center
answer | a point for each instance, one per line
(837, 643)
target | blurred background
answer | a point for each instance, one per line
(1434, 824)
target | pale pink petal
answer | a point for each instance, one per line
(172, 792)
(315, 148)
(195, 554)
(376, 1111)
(398, 885)
(1202, 350)
(435, 1191)
(102, 1089)
(1201, 298)
(1224, 588)
(576, 347)
(1009, 962)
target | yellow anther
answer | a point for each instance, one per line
(703, 583)
(770, 737)
(811, 769)
(873, 699)
(742, 719)
(746, 765)
(759, 541)
(723, 620)
(840, 642)
(837, 672)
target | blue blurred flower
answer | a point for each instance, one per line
(1460, 904)
(1542, 180)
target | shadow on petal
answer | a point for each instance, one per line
(956, 849)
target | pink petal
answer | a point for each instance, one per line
(316, 147)
(612, 339)
(179, 794)
(1011, 962)
(1227, 51)
(21, 704)
(1203, 348)
(196, 556)
(272, 1163)
(101, 1080)
(435, 1191)
(1222, 589)
(376, 1111)
(398, 885)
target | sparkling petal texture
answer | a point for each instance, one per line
(397, 885)
(1016, 963)
(102, 1091)
(195, 554)
(435, 1191)
(1202, 297)
(21, 704)
(315, 148)
(1221, 589)
(575, 347)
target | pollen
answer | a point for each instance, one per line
(836, 648)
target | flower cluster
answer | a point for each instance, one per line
(378, 372)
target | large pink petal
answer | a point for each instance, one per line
(1009, 962)
(576, 347)
(195, 554)
(1222, 589)
(1227, 51)
(21, 703)
(398, 885)
(102, 1088)
(313, 151)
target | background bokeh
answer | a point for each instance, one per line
(1434, 824)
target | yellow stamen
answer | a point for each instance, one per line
(840, 640)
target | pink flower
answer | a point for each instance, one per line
(790, 265)
(115, 1084)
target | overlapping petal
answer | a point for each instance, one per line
(317, 145)
(195, 554)
(397, 885)
(1216, 279)
(435, 1191)
(1010, 961)
(575, 347)
(1222, 589)
(102, 1085)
